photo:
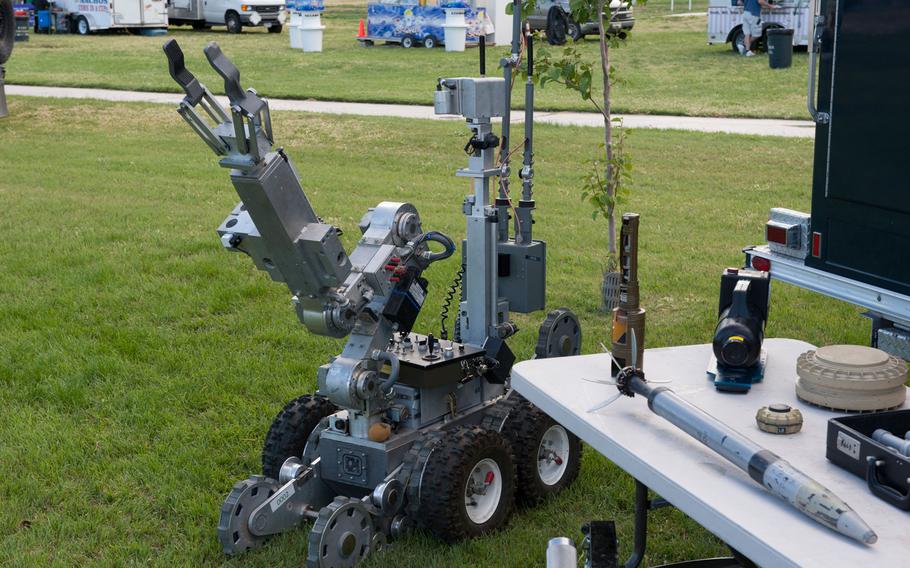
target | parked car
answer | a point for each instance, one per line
(621, 19)
(235, 14)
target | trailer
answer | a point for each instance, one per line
(725, 21)
(409, 23)
(855, 245)
(88, 16)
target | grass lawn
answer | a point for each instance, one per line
(667, 67)
(141, 364)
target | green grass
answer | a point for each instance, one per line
(141, 364)
(667, 68)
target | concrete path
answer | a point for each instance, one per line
(757, 126)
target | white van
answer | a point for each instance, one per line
(87, 16)
(235, 14)
(725, 21)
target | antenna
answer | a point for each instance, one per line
(483, 55)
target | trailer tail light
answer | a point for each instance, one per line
(760, 263)
(817, 245)
(784, 234)
(21, 13)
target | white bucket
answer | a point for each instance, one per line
(310, 30)
(294, 30)
(455, 37)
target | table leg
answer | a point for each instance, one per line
(642, 506)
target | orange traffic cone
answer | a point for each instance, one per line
(361, 32)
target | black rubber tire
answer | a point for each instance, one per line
(408, 42)
(7, 30)
(573, 30)
(737, 39)
(233, 23)
(276, 29)
(441, 509)
(557, 24)
(80, 29)
(289, 431)
(430, 42)
(524, 428)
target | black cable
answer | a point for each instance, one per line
(447, 303)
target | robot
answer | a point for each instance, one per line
(406, 429)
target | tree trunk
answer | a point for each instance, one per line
(608, 126)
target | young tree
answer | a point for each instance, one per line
(607, 180)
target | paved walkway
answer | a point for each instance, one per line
(758, 126)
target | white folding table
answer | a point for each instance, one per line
(699, 482)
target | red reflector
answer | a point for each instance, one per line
(489, 478)
(20, 13)
(776, 234)
(759, 263)
(817, 245)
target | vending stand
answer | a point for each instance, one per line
(410, 23)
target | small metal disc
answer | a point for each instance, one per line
(779, 419)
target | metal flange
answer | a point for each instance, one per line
(559, 335)
(342, 536)
(234, 524)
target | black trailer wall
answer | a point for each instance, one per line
(861, 184)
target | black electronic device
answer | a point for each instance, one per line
(742, 313)
(407, 298)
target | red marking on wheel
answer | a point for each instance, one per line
(489, 478)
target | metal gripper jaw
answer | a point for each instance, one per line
(244, 136)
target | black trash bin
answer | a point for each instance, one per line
(780, 48)
(22, 23)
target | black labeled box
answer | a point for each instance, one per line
(886, 471)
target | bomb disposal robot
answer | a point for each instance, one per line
(405, 429)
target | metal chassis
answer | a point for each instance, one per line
(882, 304)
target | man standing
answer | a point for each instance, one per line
(752, 23)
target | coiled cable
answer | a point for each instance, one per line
(447, 303)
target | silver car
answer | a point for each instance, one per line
(621, 18)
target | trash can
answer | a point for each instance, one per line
(780, 48)
(22, 22)
(43, 21)
(455, 29)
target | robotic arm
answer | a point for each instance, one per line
(370, 294)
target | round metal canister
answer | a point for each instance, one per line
(851, 378)
(779, 419)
